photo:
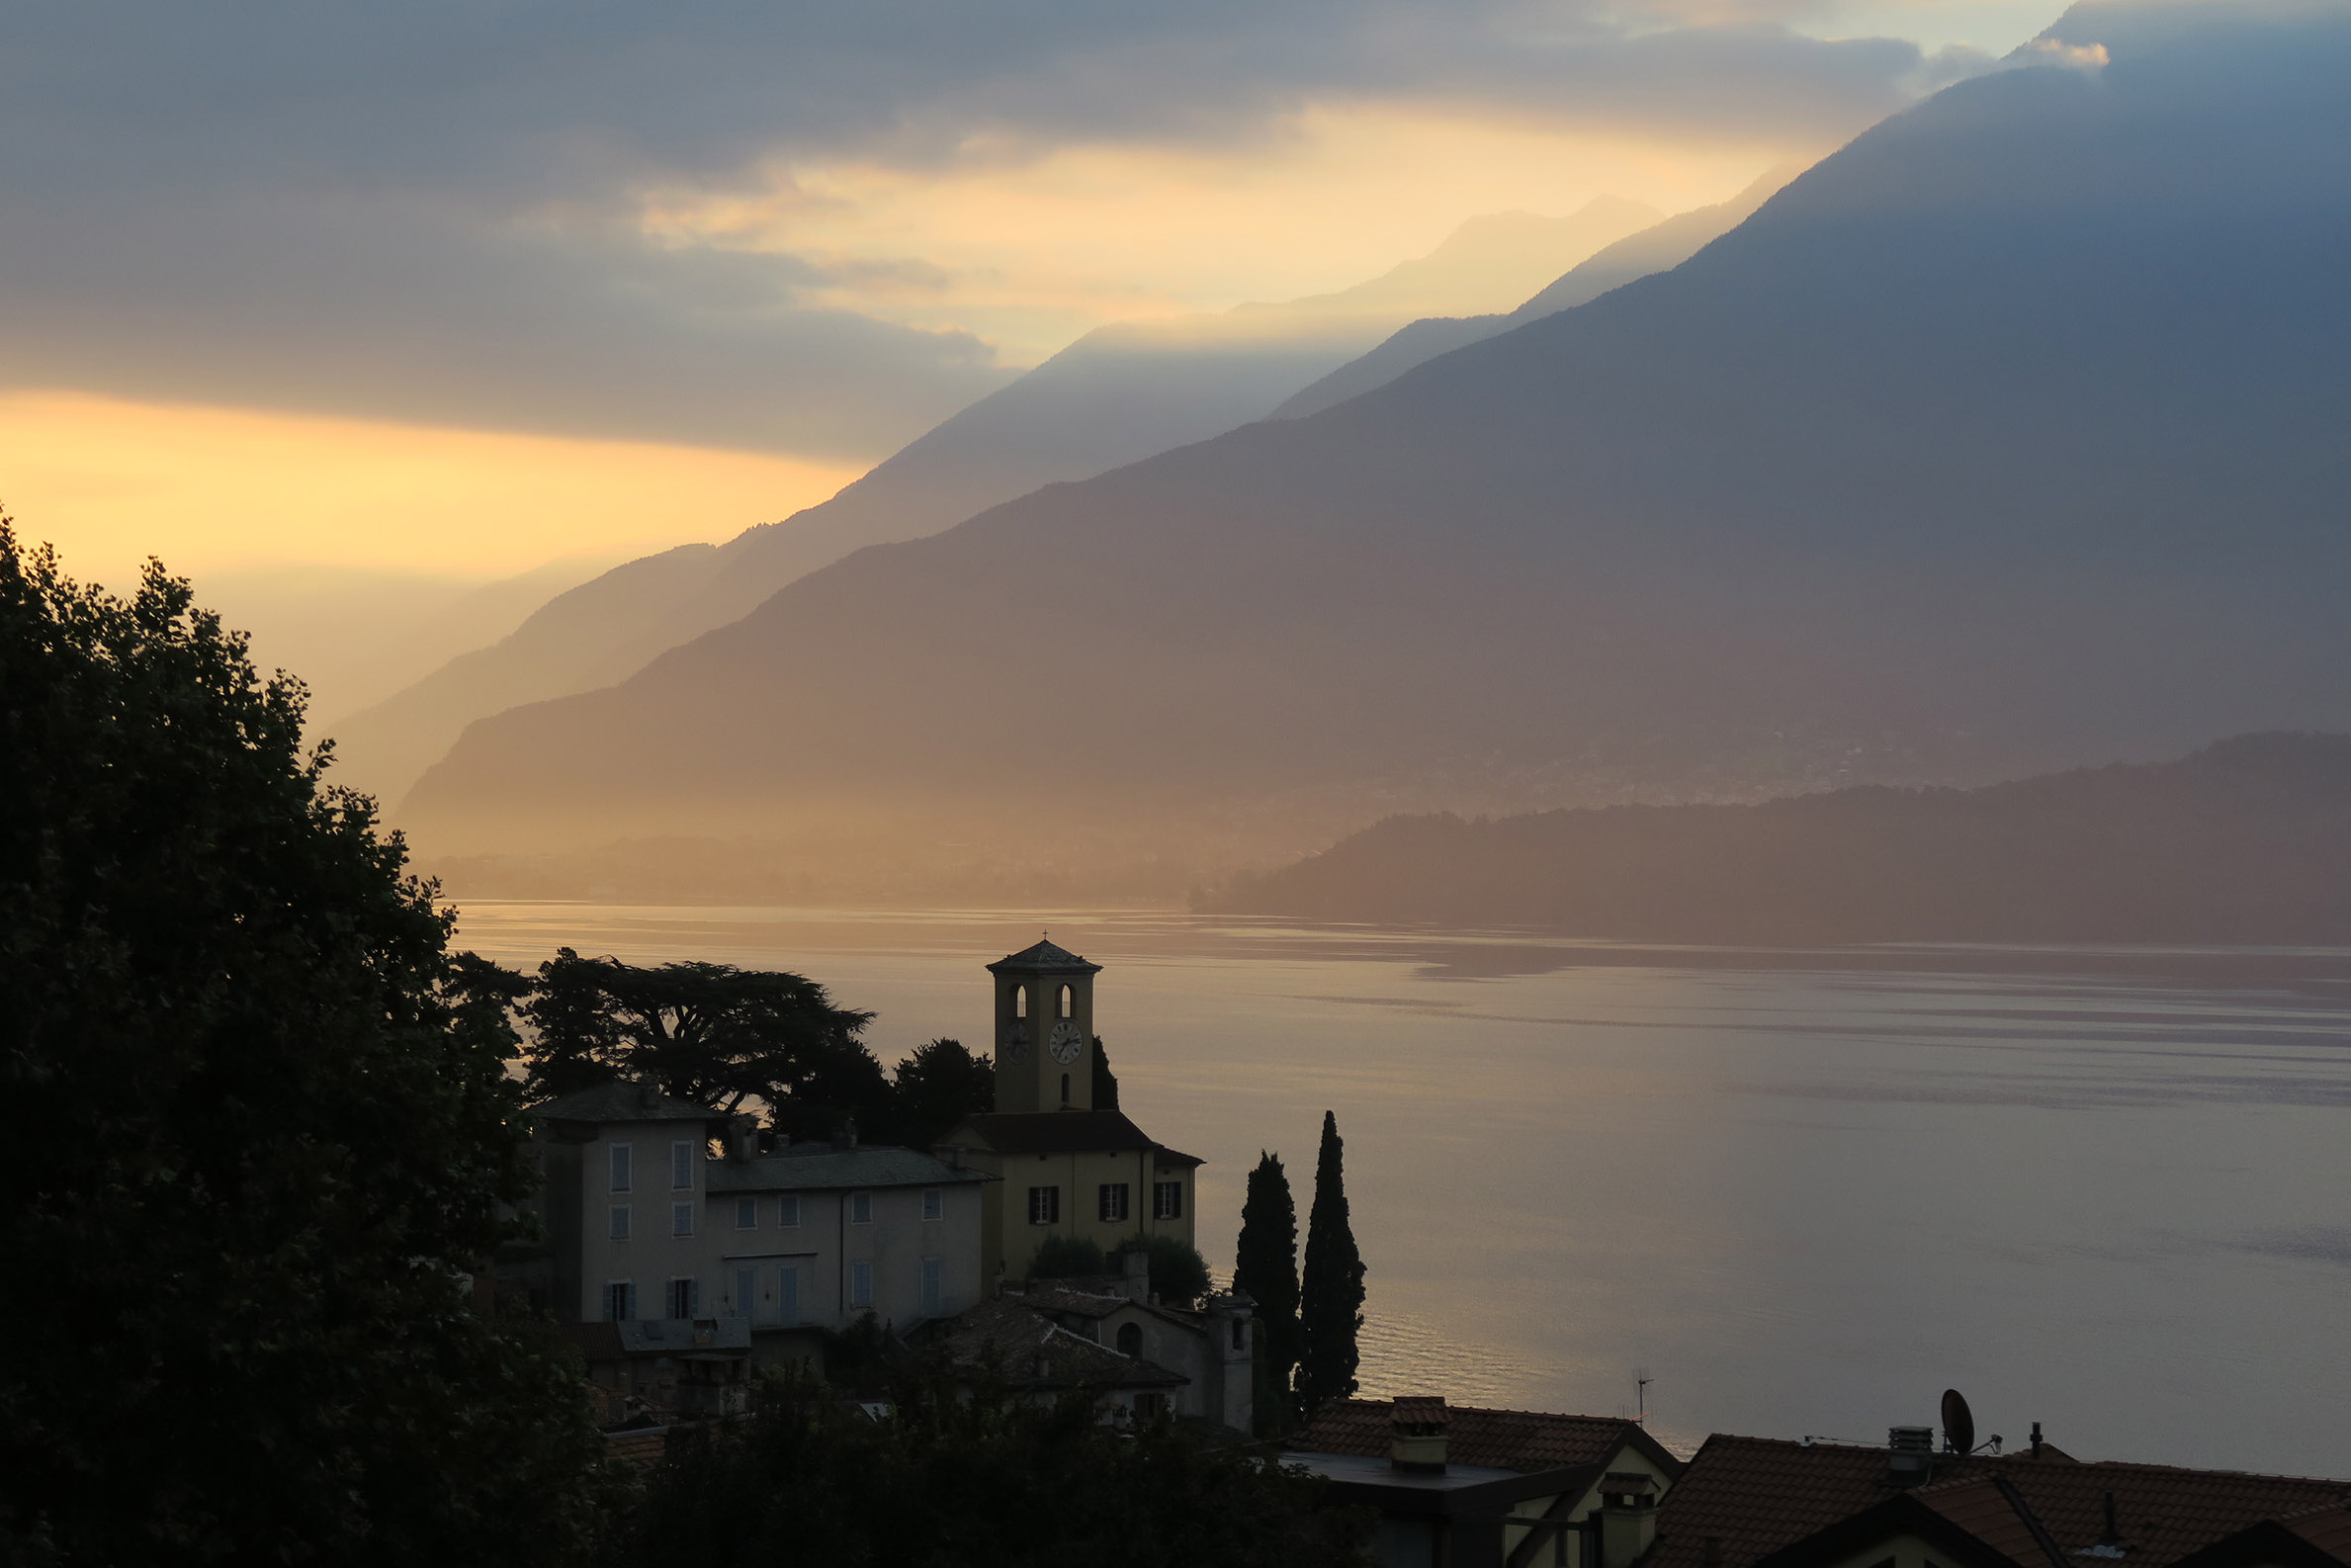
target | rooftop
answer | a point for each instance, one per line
(1060, 1132)
(825, 1168)
(1043, 959)
(1008, 1336)
(623, 1100)
(1509, 1439)
(1744, 1499)
(1362, 1470)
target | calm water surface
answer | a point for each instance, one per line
(2105, 1189)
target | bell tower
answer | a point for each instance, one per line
(1044, 1029)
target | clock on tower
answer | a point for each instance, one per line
(1044, 1029)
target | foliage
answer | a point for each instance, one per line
(979, 1481)
(933, 1088)
(1105, 1081)
(1265, 1266)
(1178, 1273)
(1068, 1258)
(257, 1133)
(706, 1032)
(1330, 1296)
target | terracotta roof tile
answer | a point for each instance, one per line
(1501, 1439)
(2161, 1514)
(2328, 1529)
(1757, 1496)
(1059, 1132)
(1753, 1495)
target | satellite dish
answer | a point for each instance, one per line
(1959, 1422)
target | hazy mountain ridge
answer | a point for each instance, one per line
(2247, 841)
(1661, 248)
(2005, 438)
(1120, 394)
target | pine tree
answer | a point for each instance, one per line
(1330, 1302)
(1265, 1266)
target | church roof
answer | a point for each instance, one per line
(1043, 959)
(1066, 1131)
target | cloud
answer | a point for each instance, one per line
(436, 209)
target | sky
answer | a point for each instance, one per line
(460, 287)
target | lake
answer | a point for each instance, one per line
(2107, 1189)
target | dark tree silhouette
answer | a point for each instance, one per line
(936, 1086)
(1331, 1295)
(1265, 1266)
(1105, 1081)
(967, 1476)
(706, 1032)
(257, 1130)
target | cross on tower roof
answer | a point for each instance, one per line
(1043, 959)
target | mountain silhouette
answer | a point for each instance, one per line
(2008, 437)
(2244, 841)
(1118, 394)
(1660, 247)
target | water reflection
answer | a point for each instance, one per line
(2104, 1188)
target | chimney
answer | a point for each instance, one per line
(742, 1138)
(1627, 1516)
(1136, 1266)
(1416, 1435)
(1911, 1455)
(2037, 1439)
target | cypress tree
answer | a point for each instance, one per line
(1265, 1266)
(1330, 1302)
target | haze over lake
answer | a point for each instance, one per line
(2106, 1189)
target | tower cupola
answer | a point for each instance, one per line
(1044, 1029)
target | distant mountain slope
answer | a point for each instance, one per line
(1661, 248)
(2249, 841)
(2010, 436)
(1118, 394)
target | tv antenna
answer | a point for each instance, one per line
(1640, 1392)
(1959, 1422)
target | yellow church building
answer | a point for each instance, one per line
(1065, 1167)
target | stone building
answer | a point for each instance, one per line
(1066, 1167)
(660, 1211)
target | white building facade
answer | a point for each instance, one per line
(644, 1223)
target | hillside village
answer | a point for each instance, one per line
(688, 1250)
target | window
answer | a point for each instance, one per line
(1167, 1200)
(747, 1214)
(747, 1292)
(934, 1285)
(1065, 1088)
(787, 1212)
(620, 1301)
(860, 1284)
(1020, 1002)
(1241, 1334)
(861, 1208)
(681, 1166)
(620, 1166)
(681, 1219)
(620, 1222)
(787, 1294)
(934, 1204)
(1130, 1339)
(685, 1298)
(1064, 1001)
(1114, 1202)
(1044, 1205)
(1148, 1403)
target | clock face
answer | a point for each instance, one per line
(1015, 1043)
(1066, 1043)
